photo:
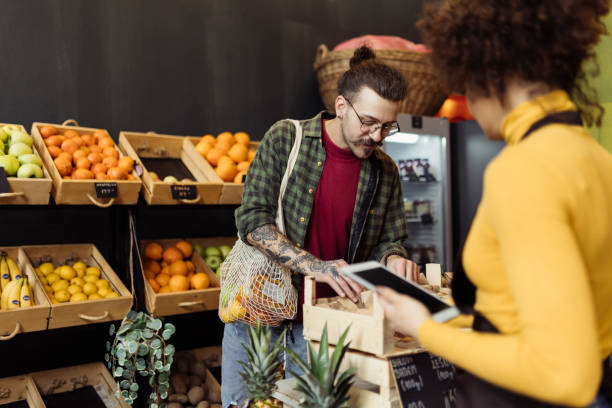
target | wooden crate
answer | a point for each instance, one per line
(75, 377)
(195, 300)
(20, 388)
(148, 145)
(369, 331)
(231, 192)
(82, 191)
(211, 356)
(25, 191)
(81, 313)
(33, 318)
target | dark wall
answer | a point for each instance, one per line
(180, 66)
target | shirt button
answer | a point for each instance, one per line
(371, 212)
(302, 219)
(310, 190)
(319, 164)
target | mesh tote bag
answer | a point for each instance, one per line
(252, 285)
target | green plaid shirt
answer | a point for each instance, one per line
(378, 226)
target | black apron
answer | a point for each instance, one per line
(472, 391)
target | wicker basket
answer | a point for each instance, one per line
(424, 95)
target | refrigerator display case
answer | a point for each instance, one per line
(421, 151)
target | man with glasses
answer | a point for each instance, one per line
(343, 202)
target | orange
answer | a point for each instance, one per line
(243, 166)
(95, 158)
(126, 163)
(226, 172)
(213, 155)
(82, 163)
(48, 130)
(252, 155)
(82, 174)
(190, 267)
(85, 149)
(110, 152)
(203, 148)
(152, 267)
(189, 276)
(69, 146)
(209, 139)
(243, 138)
(110, 162)
(172, 255)
(185, 247)
(225, 161)
(102, 176)
(54, 141)
(224, 146)
(89, 140)
(163, 263)
(149, 274)
(132, 177)
(95, 149)
(154, 251)
(239, 179)
(99, 134)
(200, 281)
(99, 168)
(63, 166)
(238, 153)
(166, 269)
(78, 154)
(105, 142)
(178, 268)
(154, 285)
(164, 289)
(70, 133)
(226, 137)
(77, 139)
(178, 283)
(162, 279)
(117, 173)
(65, 156)
(54, 151)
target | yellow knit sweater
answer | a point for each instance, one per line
(540, 254)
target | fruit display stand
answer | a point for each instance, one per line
(26, 319)
(33, 191)
(188, 301)
(21, 389)
(231, 192)
(69, 191)
(168, 153)
(90, 311)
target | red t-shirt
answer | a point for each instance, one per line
(329, 229)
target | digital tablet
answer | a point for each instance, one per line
(371, 274)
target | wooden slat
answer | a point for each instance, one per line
(20, 388)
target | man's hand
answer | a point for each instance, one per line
(403, 267)
(405, 314)
(328, 272)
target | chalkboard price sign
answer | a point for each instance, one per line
(106, 190)
(424, 381)
(183, 192)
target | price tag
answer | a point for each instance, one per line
(106, 190)
(183, 191)
(424, 380)
(4, 185)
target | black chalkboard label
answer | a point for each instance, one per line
(424, 381)
(4, 185)
(417, 122)
(183, 192)
(106, 190)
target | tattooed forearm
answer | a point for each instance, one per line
(279, 248)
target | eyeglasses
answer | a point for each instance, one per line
(372, 126)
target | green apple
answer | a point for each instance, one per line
(213, 262)
(213, 251)
(199, 250)
(19, 149)
(225, 250)
(10, 165)
(170, 179)
(21, 137)
(29, 170)
(218, 272)
(10, 129)
(3, 136)
(29, 158)
(2, 147)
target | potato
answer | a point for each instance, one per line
(194, 381)
(213, 406)
(214, 395)
(179, 383)
(182, 398)
(174, 405)
(195, 395)
(199, 368)
(203, 404)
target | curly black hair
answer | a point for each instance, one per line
(479, 44)
(365, 70)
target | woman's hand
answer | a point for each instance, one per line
(403, 312)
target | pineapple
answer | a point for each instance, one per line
(263, 368)
(322, 385)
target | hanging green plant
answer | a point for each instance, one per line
(139, 346)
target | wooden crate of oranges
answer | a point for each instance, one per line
(80, 285)
(177, 280)
(225, 159)
(78, 158)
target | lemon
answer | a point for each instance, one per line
(43, 280)
(111, 295)
(90, 278)
(102, 283)
(57, 270)
(78, 297)
(77, 281)
(104, 291)
(74, 289)
(62, 296)
(94, 296)
(46, 268)
(80, 272)
(48, 289)
(89, 288)
(66, 272)
(52, 278)
(60, 285)
(53, 299)
(79, 265)
(39, 272)
(92, 270)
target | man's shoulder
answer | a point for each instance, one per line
(387, 164)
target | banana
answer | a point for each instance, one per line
(5, 277)
(13, 268)
(25, 297)
(5, 295)
(13, 300)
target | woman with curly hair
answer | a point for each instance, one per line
(538, 258)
